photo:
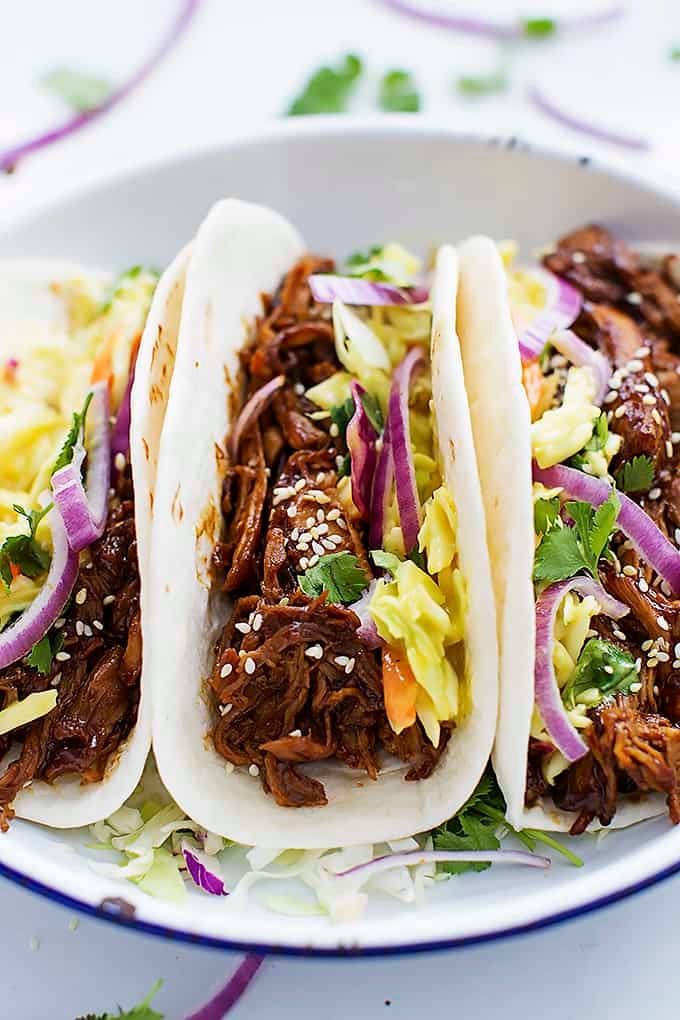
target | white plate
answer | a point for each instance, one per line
(347, 184)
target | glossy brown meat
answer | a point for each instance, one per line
(98, 685)
(243, 495)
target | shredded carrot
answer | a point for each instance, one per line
(399, 688)
(540, 389)
(14, 569)
(102, 370)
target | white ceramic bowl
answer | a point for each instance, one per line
(347, 184)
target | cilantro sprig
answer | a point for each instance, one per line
(328, 90)
(339, 574)
(398, 92)
(546, 512)
(475, 85)
(24, 551)
(143, 1011)
(77, 428)
(636, 475)
(567, 551)
(82, 92)
(43, 651)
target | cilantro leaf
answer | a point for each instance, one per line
(597, 442)
(674, 53)
(603, 666)
(539, 28)
(23, 551)
(141, 1012)
(398, 92)
(42, 653)
(546, 512)
(346, 466)
(366, 263)
(475, 835)
(328, 89)
(483, 84)
(339, 574)
(385, 560)
(558, 557)
(636, 475)
(77, 428)
(373, 411)
(82, 92)
(341, 415)
(601, 528)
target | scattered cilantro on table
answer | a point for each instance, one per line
(328, 89)
(82, 92)
(398, 92)
(141, 1012)
(482, 84)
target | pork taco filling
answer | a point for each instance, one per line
(346, 638)
(70, 634)
(604, 396)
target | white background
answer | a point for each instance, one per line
(238, 66)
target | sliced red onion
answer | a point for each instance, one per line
(583, 126)
(415, 857)
(10, 158)
(252, 410)
(35, 621)
(367, 632)
(361, 439)
(562, 306)
(503, 30)
(84, 510)
(356, 291)
(203, 870)
(227, 997)
(581, 353)
(651, 543)
(402, 454)
(120, 433)
(382, 490)
(546, 691)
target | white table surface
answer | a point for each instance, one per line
(236, 69)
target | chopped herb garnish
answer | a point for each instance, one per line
(341, 415)
(602, 666)
(24, 552)
(636, 475)
(597, 442)
(360, 263)
(674, 53)
(141, 1012)
(42, 653)
(483, 84)
(77, 429)
(476, 825)
(546, 512)
(339, 574)
(373, 411)
(398, 93)
(539, 28)
(345, 468)
(82, 92)
(565, 551)
(328, 90)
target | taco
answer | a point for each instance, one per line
(323, 639)
(77, 473)
(574, 386)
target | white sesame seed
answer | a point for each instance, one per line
(249, 666)
(79, 628)
(666, 396)
(58, 624)
(663, 656)
(578, 257)
(243, 628)
(336, 539)
(320, 515)
(295, 534)
(642, 585)
(334, 430)
(226, 709)
(620, 411)
(339, 460)
(313, 560)
(120, 461)
(328, 544)
(87, 630)
(619, 634)
(635, 688)
(321, 529)
(676, 649)
(300, 484)
(108, 599)
(666, 589)
(314, 532)
(298, 388)
(226, 670)
(652, 663)
(310, 522)
(291, 511)
(676, 663)
(318, 496)
(81, 596)
(635, 365)
(253, 770)
(654, 493)
(629, 570)
(303, 546)
(649, 400)
(656, 691)
(305, 538)
(663, 622)
(656, 416)
(62, 656)
(54, 682)
(646, 645)
(314, 652)
(341, 660)
(614, 383)
(304, 562)
(651, 379)
(333, 514)
(350, 666)
(611, 397)
(642, 352)
(257, 621)
(317, 548)
(342, 523)
(98, 624)
(669, 449)
(295, 733)
(638, 665)
(675, 438)
(634, 298)
(321, 477)
(609, 669)
(641, 388)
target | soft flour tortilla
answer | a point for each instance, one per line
(67, 803)
(501, 426)
(240, 251)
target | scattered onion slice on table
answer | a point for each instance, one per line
(35, 621)
(402, 453)
(357, 291)
(251, 411)
(585, 127)
(361, 441)
(581, 353)
(562, 306)
(226, 998)
(651, 543)
(546, 691)
(412, 858)
(84, 509)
